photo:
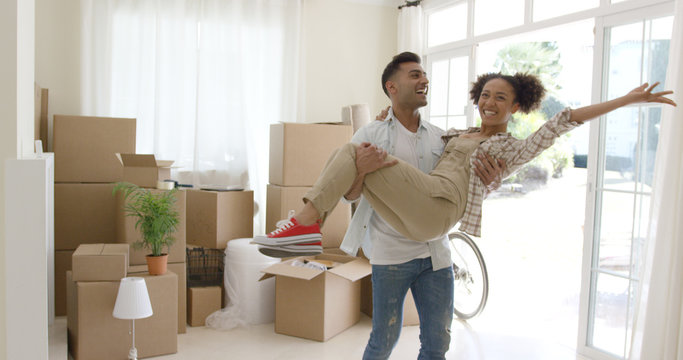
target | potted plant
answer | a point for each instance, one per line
(157, 220)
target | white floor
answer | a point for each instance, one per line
(262, 343)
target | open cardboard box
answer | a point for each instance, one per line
(144, 170)
(317, 304)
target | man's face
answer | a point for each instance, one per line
(409, 86)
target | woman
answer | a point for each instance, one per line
(425, 206)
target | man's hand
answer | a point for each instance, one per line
(370, 158)
(489, 170)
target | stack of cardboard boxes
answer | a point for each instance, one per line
(298, 153)
(87, 212)
(311, 303)
(85, 170)
(92, 288)
(213, 219)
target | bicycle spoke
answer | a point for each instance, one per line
(471, 279)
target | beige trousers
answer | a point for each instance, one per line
(420, 206)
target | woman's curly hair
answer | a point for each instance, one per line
(529, 90)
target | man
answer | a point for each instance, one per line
(398, 263)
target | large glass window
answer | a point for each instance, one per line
(447, 25)
(448, 89)
(545, 9)
(494, 15)
(578, 69)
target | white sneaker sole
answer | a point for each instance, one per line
(290, 251)
(289, 240)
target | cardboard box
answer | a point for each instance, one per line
(85, 147)
(410, 316)
(84, 214)
(202, 302)
(179, 269)
(280, 200)
(127, 234)
(298, 152)
(62, 265)
(316, 304)
(216, 217)
(93, 333)
(100, 262)
(144, 170)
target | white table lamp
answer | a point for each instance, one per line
(132, 302)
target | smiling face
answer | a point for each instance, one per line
(409, 86)
(496, 104)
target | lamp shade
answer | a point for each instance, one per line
(132, 301)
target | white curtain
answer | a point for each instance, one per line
(410, 29)
(658, 327)
(204, 78)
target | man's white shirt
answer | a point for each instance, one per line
(382, 244)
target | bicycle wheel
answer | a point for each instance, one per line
(471, 279)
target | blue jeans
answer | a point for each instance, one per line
(433, 294)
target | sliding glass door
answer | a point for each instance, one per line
(635, 49)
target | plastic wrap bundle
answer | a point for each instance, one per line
(356, 115)
(249, 301)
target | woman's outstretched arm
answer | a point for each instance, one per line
(641, 94)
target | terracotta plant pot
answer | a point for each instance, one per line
(156, 265)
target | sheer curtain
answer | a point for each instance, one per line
(658, 327)
(410, 29)
(204, 78)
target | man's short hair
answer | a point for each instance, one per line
(395, 63)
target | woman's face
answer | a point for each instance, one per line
(497, 103)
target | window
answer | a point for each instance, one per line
(627, 44)
(447, 25)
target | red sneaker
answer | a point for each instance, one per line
(290, 232)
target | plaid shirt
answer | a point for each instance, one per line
(515, 152)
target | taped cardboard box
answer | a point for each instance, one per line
(317, 304)
(85, 147)
(93, 333)
(84, 214)
(62, 265)
(100, 262)
(127, 234)
(144, 170)
(202, 302)
(216, 217)
(179, 269)
(281, 199)
(298, 152)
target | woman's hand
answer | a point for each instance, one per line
(643, 93)
(383, 114)
(489, 170)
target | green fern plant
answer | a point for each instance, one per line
(156, 216)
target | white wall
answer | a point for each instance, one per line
(346, 45)
(58, 59)
(17, 34)
(8, 130)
